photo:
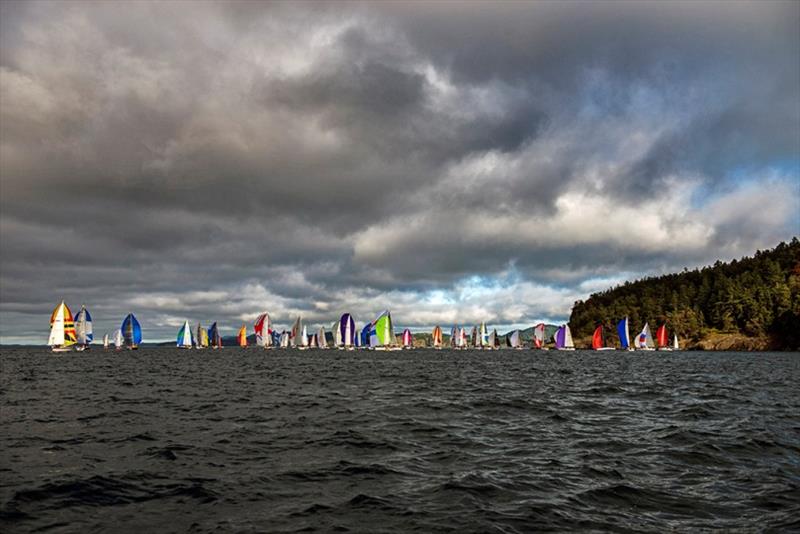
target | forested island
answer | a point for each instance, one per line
(747, 304)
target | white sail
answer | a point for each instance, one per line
(568, 343)
(118, 339)
(516, 341)
(105, 341)
(322, 341)
(57, 330)
(83, 327)
(337, 334)
(675, 342)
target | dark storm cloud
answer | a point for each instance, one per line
(215, 159)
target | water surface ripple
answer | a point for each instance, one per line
(432, 441)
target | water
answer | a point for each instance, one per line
(393, 442)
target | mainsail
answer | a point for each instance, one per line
(185, 340)
(118, 339)
(131, 331)
(105, 341)
(62, 328)
(83, 327)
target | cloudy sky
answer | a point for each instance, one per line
(452, 162)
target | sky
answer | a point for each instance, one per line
(452, 162)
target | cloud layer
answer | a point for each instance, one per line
(454, 163)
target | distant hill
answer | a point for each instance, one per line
(747, 304)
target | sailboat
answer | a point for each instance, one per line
(336, 330)
(484, 336)
(62, 329)
(297, 331)
(312, 341)
(83, 329)
(563, 338)
(105, 341)
(408, 339)
(436, 337)
(515, 340)
(491, 341)
(347, 331)
(645, 341)
(263, 330)
(599, 340)
(285, 341)
(624, 335)
(214, 337)
(185, 340)
(454, 337)
(675, 342)
(538, 337)
(242, 337)
(462, 338)
(118, 340)
(131, 332)
(381, 335)
(322, 341)
(662, 339)
(303, 345)
(201, 339)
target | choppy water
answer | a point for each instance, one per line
(429, 441)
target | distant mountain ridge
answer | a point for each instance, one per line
(747, 304)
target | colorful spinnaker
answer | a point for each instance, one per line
(436, 337)
(624, 334)
(599, 339)
(242, 337)
(131, 332)
(662, 339)
(538, 336)
(382, 335)
(644, 341)
(201, 339)
(62, 329)
(185, 340)
(263, 331)
(347, 330)
(408, 339)
(214, 337)
(563, 338)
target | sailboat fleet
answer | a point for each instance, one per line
(68, 333)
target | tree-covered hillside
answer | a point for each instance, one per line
(755, 298)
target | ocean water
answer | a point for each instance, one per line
(430, 441)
